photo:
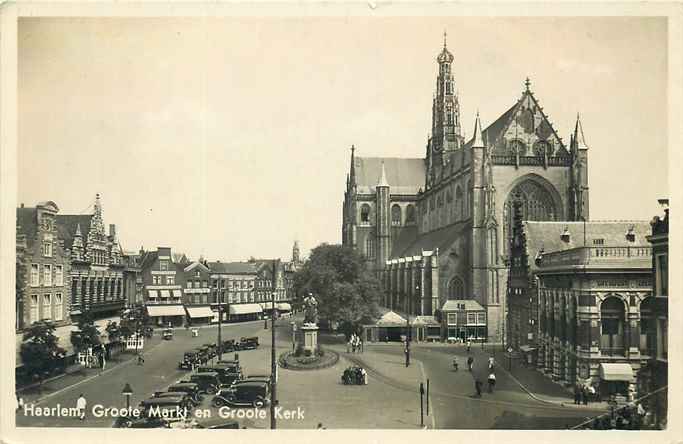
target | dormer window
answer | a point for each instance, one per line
(565, 236)
(163, 265)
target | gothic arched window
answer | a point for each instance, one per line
(537, 204)
(365, 214)
(456, 289)
(517, 146)
(410, 214)
(395, 215)
(460, 204)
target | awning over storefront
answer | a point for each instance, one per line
(199, 312)
(177, 294)
(616, 372)
(283, 306)
(165, 293)
(527, 348)
(165, 310)
(240, 309)
(152, 294)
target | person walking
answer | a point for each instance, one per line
(470, 362)
(577, 394)
(469, 345)
(477, 387)
(81, 405)
(365, 376)
(141, 360)
(491, 363)
(584, 395)
(492, 381)
(348, 346)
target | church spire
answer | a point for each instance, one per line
(579, 139)
(478, 141)
(383, 178)
(353, 166)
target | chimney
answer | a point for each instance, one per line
(112, 230)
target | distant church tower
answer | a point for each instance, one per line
(296, 256)
(446, 135)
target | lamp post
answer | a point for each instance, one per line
(127, 392)
(273, 362)
(408, 333)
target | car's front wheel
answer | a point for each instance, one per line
(211, 390)
(218, 402)
(258, 402)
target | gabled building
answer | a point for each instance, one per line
(43, 267)
(234, 284)
(198, 297)
(437, 228)
(95, 281)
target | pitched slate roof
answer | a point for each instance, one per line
(66, 226)
(148, 258)
(441, 239)
(233, 267)
(405, 176)
(406, 237)
(545, 236)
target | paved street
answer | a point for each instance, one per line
(390, 400)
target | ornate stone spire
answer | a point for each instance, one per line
(579, 139)
(77, 246)
(353, 166)
(478, 139)
(383, 178)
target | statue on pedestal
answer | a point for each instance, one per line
(310, 310)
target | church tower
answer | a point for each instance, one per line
(446, 136)
(296, 255)
(579, 176)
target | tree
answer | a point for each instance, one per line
(347, 293)
(87, 335)
(40, 351)
(113, 332)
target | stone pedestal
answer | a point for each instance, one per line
(309, 337)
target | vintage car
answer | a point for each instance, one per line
(256, 394)
(167, 333)
(186, 396)
(229, 346)
(226, 375)
(248, 343)
(190, 358)
(207, 382)
(142, 422)
(190, 388)
(233, 365)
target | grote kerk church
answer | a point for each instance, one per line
(437, 229)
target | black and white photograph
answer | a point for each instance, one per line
(333, 222)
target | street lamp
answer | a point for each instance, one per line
(408, 333)
(127, 392)
(220, 321)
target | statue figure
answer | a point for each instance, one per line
(311, 310)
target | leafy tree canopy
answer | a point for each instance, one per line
(346, 292)
(87, 335)
(40, 351)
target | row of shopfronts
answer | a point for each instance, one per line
(457, 321)
(178, 314)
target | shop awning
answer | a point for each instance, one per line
(165, 293)
(616, 372)
(165, 310)
(240, 309)
(283, 306)
(177, 294)
(199, 312)
(526, 348)
(152, 294)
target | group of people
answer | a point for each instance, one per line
(629, 417)
(478, 385)
(355, 376)
(355, 344)
(583, 394)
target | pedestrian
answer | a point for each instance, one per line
(20, 403)
(491, 363)
(469, 345)
(577, 394)
(470, 362)
(492, 381)
(477, 387)
(104, 362)
(365, 376)
(141, 360)
(584, 395)
(590, 396)
(348, 346)
(81, 404)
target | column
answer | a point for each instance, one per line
(105, 289)
(87, 296)
(76, 291)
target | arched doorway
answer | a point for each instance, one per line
(537, 204)
(612, 317)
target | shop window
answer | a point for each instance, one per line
(452, 319)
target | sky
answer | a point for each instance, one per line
(230, 137)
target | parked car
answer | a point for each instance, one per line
(229, 346)
(167, 334)
(248, 343)
(207, 382)
(186, 396)
(190, 388)
(189, 358)
(253, 393)
(234, 366)
(142, 422)
(217, 423)
(226, 375)
(211, 349)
